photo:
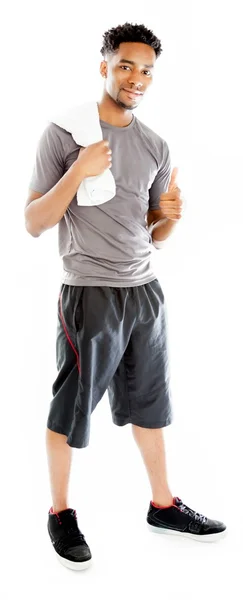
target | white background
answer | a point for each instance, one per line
(50, 55)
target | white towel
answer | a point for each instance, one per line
(82, 122)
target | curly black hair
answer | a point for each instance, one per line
(129, 33)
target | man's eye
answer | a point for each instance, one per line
(126, 67)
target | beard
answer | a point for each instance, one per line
(124, 105)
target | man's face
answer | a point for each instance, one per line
(131, 68)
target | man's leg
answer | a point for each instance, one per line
(151, 445)
(59, 455)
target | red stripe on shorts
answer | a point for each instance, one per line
(66, 332)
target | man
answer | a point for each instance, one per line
(111, 317)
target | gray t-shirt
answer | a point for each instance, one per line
(108, 244)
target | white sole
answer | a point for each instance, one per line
(213, 537)
(75, 566)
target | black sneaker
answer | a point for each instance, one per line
(179, 519)
(68, 541)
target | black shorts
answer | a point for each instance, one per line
(110, 339)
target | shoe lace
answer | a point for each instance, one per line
(188, 511)
(70, 538)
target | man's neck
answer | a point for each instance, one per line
(113, 114)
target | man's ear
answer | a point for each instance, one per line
(103, 68)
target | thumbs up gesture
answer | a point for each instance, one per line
(171, 202)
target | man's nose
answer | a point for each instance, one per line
(135, 80)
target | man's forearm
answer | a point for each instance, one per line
(162, 229)
(46, 211)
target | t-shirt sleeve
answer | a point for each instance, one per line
(49, 161)
(162, 179)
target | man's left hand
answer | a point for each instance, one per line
(171, 202)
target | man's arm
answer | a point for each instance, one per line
(51, 190)
(162, 227)
(43, 211)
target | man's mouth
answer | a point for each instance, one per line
(132, 94)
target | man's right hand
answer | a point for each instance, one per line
(95, 159)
